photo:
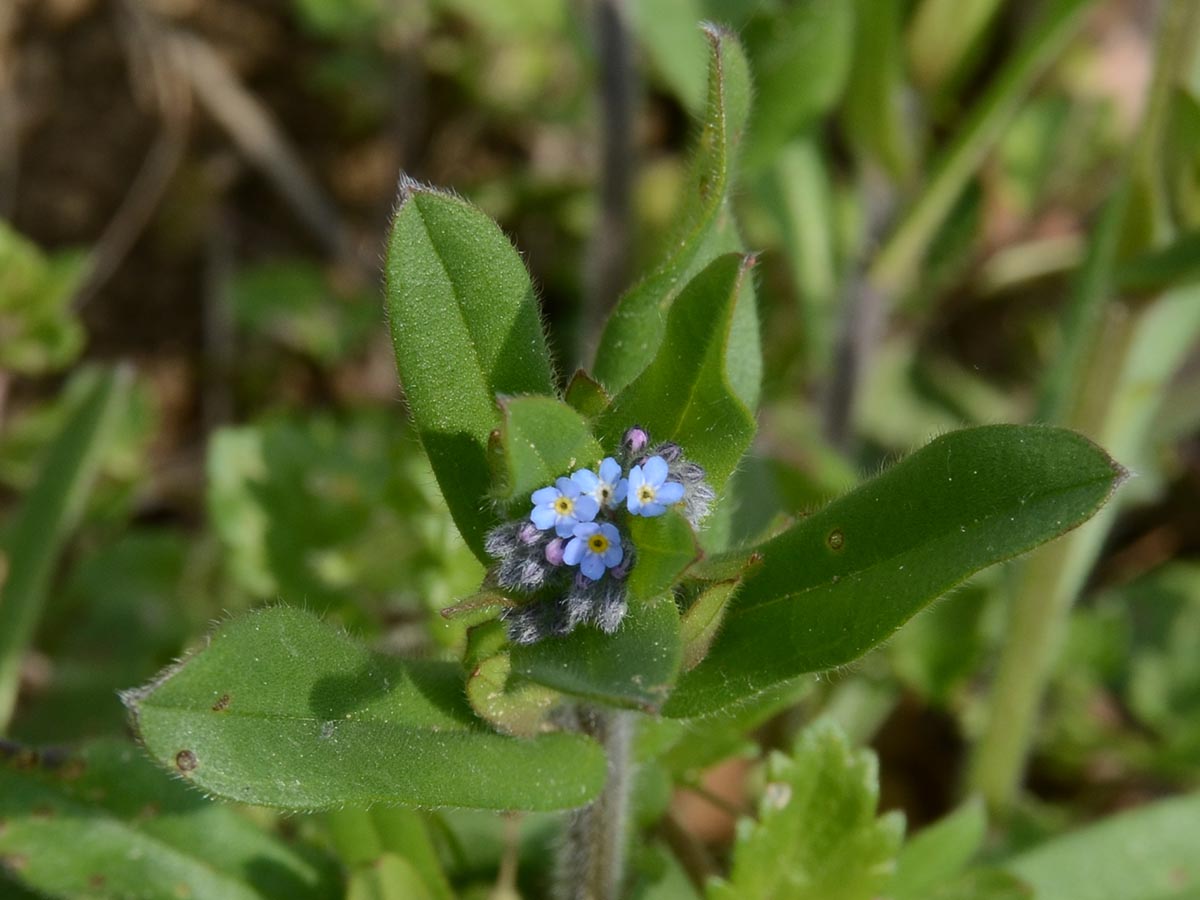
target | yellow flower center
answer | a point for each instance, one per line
(564, 506)
(646, 494)
(598, 543)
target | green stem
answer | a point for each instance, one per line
(591, 858)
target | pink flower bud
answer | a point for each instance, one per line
(528, 533)
(635, 440)
(554, 552)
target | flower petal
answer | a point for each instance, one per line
(592, 566)
(586, 479)
(609, 530)
(610, 470)
(565, 526)
(586, 508)
(636, 478)
(543, 517)
(620, 489)
(574, 552)
(649, 510)
(656, 470)
(567, 487)
(613, 555)
(544, 496)
(671, 492)
(585, 530)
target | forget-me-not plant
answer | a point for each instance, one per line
(573, 551)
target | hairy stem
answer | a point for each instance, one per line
(591, 858)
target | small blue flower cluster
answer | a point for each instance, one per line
(573, 525)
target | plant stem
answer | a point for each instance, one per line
(608, 253)
(591, 859)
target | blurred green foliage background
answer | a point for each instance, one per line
(967, 212)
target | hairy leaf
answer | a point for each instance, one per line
(280, 710)
(666, 547)
(543, 439)
(465, 328)
(632, 334)
(684, 395)
(842, 580)
(633, 667)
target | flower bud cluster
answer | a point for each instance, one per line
(572, 550)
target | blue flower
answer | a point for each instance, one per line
(562, 507)
(594, 548)
(649, 491)
(608, 489)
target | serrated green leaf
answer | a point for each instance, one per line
(543, 439)
(800, 58)
(666, 547)
(684, 395)
(280, 710)
(1144, 854)
(35, 537)
(633, 667)
(843, 579)
(465, 328)
(103, 822)
(816, 837)
(635, 329)
(938, 853)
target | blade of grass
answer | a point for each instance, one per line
(897, 264)
(46, 517)
(1114, 365)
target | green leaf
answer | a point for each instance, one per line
(703, 618)
(666, 547)
(1144, 854)
(35, 537)
(280, 710)
(800, 58)
(674, 45)
(937, 854)
(898, 262)
(586, 396)
(634, 330)
(41, 331)
(816, 837)
(340, 511)
(104, 822)
(390, 877)
(514, 704)
(942, 37)
(873, 112)
(296, 303)
(363, 837)
(543, 439)
(465, 328)
(685, 395)
(843, 579)
(634, 667)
